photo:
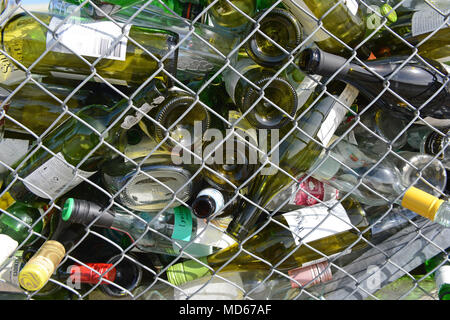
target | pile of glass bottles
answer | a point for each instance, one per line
(216, 149)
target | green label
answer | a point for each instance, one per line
(182, 228)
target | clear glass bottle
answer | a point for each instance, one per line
(382, 124)
(360, 173)
(433, 175)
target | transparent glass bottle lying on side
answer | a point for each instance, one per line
(359, 172)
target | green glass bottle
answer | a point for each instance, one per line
(38, 110)
(178, 120)
(124, 62)
(82, 143)
(345, 20)
(21, 221)
(282, 28)
(280, 100)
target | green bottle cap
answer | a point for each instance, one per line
(183, 272)
(67, 209)
(385, 9)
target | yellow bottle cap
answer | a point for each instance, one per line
(421, 202)
(6, 201)
(38, 270)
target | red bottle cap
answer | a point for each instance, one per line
(310, 275)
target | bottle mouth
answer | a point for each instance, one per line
(183, 132)
(128, 277)
(67, 209)
(203, 207)
(283, 29)
(306, 60)
(276, 113)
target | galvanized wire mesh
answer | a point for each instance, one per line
(357, 275)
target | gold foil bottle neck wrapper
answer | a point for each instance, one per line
(38, 270)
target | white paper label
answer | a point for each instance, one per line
(91, 39)
(337, 114)
(131, 121)
(210, 236)
(319, 218)
(443, 276)
(10, 74)
(12, 150)
(9, 276)
(352, 6)
(426, 21)
(7, 247)
(54, 175)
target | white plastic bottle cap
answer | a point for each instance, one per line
(7, 247)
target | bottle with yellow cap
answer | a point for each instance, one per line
(356, 170)
(40, 267)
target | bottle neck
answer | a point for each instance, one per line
(208, 202)
(316, 61)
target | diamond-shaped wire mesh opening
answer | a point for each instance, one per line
(205, 53)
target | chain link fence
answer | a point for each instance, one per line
(358, 274)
